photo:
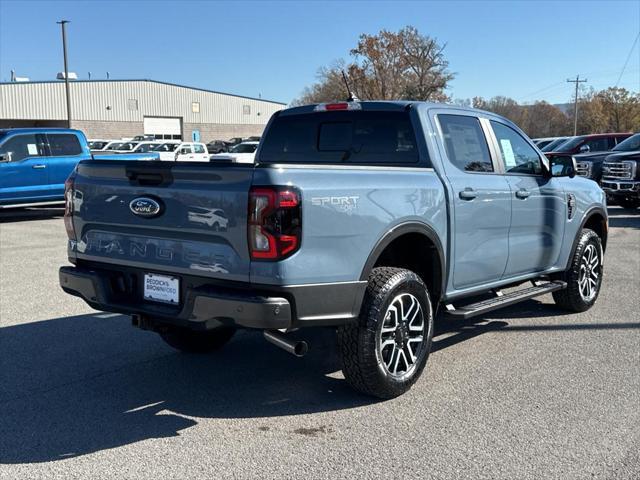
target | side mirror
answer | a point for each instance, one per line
(585, 149)
(563, 166)
(5, 157)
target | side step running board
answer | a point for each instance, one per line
(504, 299)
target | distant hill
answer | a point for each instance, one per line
(565, 107)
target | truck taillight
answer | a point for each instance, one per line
(274, 222)
(68, 206)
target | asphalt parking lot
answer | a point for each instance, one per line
(527, 392)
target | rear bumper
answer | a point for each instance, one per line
(201, 309)
(204, 305)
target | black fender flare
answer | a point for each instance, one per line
(585, 218)
(398, 231)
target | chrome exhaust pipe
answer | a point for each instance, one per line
(299, 348)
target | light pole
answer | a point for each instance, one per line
(62, 23)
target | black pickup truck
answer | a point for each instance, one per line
(590, 164)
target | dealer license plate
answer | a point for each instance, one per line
(161, 288)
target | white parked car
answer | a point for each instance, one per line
(144, 147)
(110, 147)
(97, 145)
(125, 147)
(183, 152)
(244, 152)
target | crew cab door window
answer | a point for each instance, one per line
(518, 156)
(20, 147)
(63, 145)
(465, 143)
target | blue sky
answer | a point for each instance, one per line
(524, 50)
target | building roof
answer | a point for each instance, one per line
(145, 80)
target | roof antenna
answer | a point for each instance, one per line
(352, 96)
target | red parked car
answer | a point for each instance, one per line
(598, 142)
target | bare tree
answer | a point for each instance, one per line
(387, 66)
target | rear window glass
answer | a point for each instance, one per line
(62, 144)
(360, 137)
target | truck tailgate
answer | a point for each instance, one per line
(200, 229)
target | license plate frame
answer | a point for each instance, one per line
(161, 288)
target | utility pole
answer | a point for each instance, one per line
(575, 107)
(62, 23)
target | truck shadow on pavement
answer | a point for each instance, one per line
(76, 385)
(29, 214)
(623, 217)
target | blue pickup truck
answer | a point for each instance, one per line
(367, 217)
(35, 162)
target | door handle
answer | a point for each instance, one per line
(39, 166)
(522, 194)
(468, 194)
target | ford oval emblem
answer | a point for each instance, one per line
(145, 207)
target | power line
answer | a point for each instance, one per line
(628, 57)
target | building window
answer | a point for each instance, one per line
(132, 104)
(195, 107)
(246, 109)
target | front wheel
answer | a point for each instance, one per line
(191, 341)
(584, 277)
(384, 353)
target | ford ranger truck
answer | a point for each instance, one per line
(35, 162)
(366, 217)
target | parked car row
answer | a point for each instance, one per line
(225, 146)
(610, 159)
(235, 150)
(617, 171)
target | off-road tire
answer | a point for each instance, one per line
(191, 341)
(362, 362)
(570, 297)
(630, 203)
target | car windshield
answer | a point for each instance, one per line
(569, 145)
(146, 147)
(631, 144)
(166, 147)
(126, 146)
(244, 148)
(555, 143)
(97, 145)
(114, 146)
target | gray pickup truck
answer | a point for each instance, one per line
(368, 217)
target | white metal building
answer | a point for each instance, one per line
(124, 108)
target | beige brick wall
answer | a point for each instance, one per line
(211, 131)
(108, 130)
(117, 130)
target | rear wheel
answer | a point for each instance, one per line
(584, 277)
(631, 203)
(384, 353)
(190, 341)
